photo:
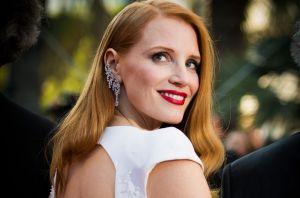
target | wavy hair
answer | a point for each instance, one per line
(80, 131)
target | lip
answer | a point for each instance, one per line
(172, 96)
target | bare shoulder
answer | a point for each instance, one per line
(91, 177)
(177, 179)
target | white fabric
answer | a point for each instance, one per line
(52, 193)
(135, 152)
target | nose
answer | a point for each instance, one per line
(179, 76)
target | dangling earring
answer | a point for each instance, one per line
(113, 83)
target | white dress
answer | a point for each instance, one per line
(135, 152)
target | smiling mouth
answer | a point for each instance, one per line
(174, 97)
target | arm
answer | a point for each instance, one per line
(177, 179)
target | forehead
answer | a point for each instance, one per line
(170, 32)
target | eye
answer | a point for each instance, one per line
(192, 64)
(160, 57)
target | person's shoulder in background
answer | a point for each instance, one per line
(272, 171)
(16, 116)
(24, 138)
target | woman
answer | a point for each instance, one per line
(153, 69)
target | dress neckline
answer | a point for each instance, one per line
(140, 129)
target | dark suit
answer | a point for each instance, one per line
(270, 172)
(24, 170)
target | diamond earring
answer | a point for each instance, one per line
(113, 83)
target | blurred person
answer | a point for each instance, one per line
(238, 142)
(144, 117)
(257, 140)
(272, 171)
(23, 133)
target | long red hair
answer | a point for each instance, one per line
(80, 131)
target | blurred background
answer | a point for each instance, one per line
(257, 83)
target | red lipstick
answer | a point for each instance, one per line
(174, 97)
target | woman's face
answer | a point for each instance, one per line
(159, 73)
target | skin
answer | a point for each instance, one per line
(166, 58)
(141, 105)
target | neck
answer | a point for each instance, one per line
(124, 118)
(127, 114)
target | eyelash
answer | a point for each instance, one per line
(196, 64)
(156, 57)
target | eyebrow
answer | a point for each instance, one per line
(161, 48)
(196, 57)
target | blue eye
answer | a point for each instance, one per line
(192, 64)
(160, 57)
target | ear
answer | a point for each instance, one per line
(111, 58)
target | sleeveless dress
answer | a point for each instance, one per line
(135, 152)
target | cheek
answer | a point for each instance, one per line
(142, 76)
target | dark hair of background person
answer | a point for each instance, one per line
(20, 27)
(24, 134)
